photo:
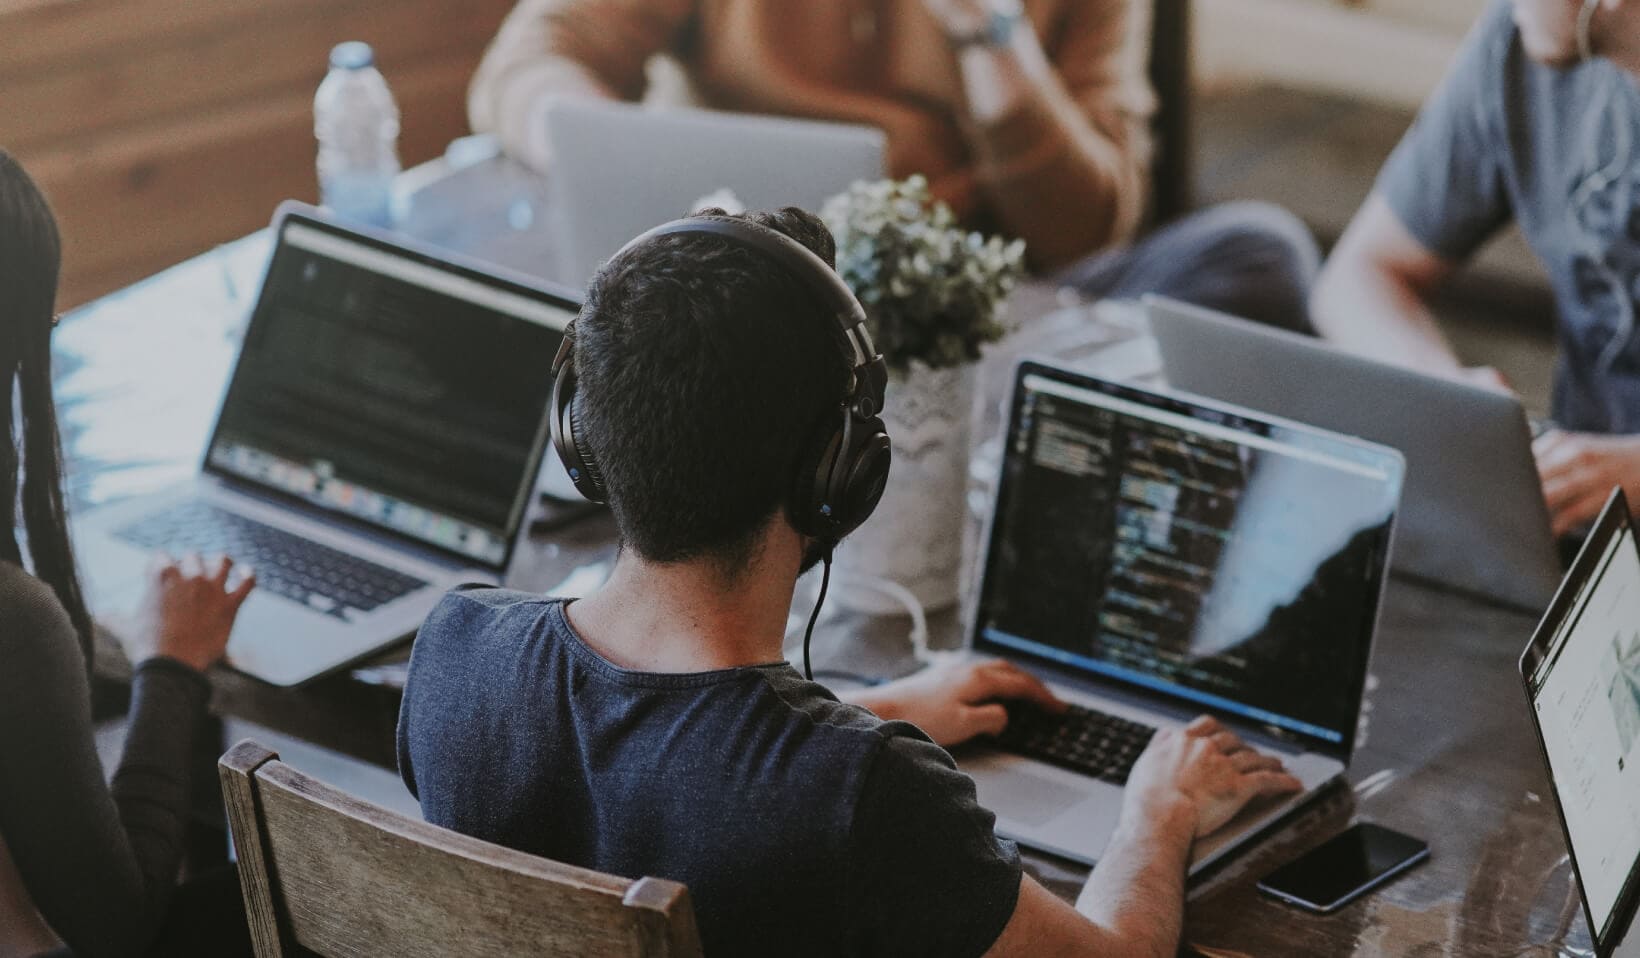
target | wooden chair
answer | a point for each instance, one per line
(327, 874)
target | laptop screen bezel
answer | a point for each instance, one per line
(1614, 521)
(557, 297)
(1198, 408)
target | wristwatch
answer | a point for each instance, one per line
(996, 29)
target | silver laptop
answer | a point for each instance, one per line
(377, 444)
(619, 169)
(1582, 677)
(1474, 517)
(1154, 557)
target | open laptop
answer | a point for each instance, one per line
(1474, 517)
(1154, 557)
(377, 444)
(619, 169)
(1582, 677)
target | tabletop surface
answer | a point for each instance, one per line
(1448, 752)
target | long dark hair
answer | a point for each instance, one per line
(30, 256)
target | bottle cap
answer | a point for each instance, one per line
(352, 55)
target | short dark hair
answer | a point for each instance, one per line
(706, 370)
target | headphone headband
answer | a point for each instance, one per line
(868, 373)
(845, 467)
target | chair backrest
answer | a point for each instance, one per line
(327, 874)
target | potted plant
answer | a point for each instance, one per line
(934, 294)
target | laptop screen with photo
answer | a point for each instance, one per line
(1189, 551)
(1583, 677)
(393, 389)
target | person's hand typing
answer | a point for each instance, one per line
(1203, 772)
(954, 703)
(1578, 471)
(188, 611)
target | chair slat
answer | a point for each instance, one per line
(344, 878)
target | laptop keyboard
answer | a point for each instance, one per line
(1081, 740)
(325, 579)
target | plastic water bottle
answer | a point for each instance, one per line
(357, 125)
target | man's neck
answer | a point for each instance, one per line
(690, 616)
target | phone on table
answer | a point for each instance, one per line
(1344, 867)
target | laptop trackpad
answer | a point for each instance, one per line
(1027, 798)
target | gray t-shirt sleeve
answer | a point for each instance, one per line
(933, 878)
(1446, 181)
(100, 862)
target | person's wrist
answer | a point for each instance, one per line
(164, 659)
(993, 30)
(1173, 816)
(173, 670)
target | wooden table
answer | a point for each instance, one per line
(1448, 753)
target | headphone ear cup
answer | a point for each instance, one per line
(589, 466)
(812, 486)
(568, 433)
(865, 474)
(833, 498)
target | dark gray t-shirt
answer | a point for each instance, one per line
(1558, 151)
(801, 826)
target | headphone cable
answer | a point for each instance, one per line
(820, 600)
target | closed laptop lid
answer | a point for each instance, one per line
(392, 389)
(1189, 551)
(1473, 517)
(619, 169)
(1582, 677)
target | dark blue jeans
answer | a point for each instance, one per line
(1252, 260)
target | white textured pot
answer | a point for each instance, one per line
(914, 539)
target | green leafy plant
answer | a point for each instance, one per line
(931, 291)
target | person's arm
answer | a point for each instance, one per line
(1187, 784)
(954, 703)
(1440, 196)
(1579, 470)
(1132, 904)
(1061, 134)
(99, 861)
(566, 48)
(1372, 296)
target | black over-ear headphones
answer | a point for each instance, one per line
(844, 468)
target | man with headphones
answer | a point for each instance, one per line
(1537, 122)
(720, 392)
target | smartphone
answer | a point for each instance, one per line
(1345, 867)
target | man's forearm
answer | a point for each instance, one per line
(1137, 892)
(1366, 310)
(1372, 296)
(1040, 154)
(999, 80)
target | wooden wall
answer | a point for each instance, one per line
(162, 127)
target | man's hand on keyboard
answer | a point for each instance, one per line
(1203, 774)
(189, 611)
(954, 703)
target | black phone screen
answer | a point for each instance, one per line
(1347, 865)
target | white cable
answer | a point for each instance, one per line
(902, 595)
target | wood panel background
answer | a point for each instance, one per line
(162, 127)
